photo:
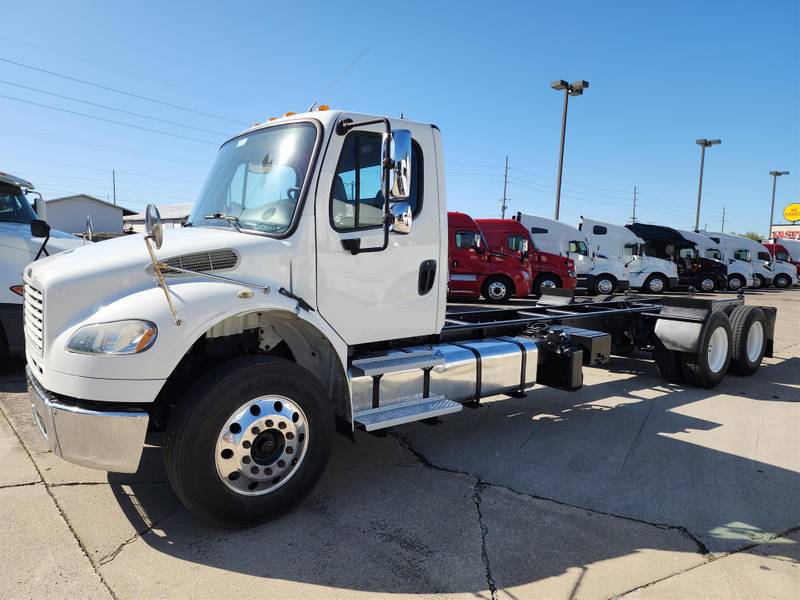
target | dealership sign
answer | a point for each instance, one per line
(792, 212)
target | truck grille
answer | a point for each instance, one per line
(34, 319)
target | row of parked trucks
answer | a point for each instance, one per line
(500, 259)
(308, 295)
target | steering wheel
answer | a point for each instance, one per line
(293, 193)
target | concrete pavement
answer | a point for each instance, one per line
(630, 487)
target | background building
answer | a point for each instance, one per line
(786, 230)
(172, 215)
(69, 214)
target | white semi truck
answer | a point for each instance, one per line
(646, 272)
(596, 272)
(309, 290)
(737, 256)
(24, 236)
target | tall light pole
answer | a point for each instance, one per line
(775, 175)
(570, 89)
(703, 143)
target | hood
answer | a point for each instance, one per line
(18, 236)
(99, 274)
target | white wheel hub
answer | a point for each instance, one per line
(656, 284)
(734, 283)
(755, 341)
(549, 284)
(605, 286)
(262, 445)
(497, 290)
(707, 284)
(718, 349)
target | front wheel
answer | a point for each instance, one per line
(248, 441)
(545, 282)
(735, 282)
(782, 281)
(656, 284)
(604, 284)
(706, 283)
(758, 281)
(498, 289)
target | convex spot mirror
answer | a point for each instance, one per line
(39, 228)
(402, 217)
(396, 156)
(152, 225)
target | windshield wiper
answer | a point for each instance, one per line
(232, 220)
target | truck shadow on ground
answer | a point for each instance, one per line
(514, 492)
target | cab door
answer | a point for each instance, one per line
(467, 265)
(389, 294)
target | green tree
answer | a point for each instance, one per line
(753, 235)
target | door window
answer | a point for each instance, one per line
(467, 239)
(578, 247)
(517, 243)
(357, 197)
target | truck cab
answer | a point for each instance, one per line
(787, 251)
(767, 269)
(736, 255)
(694, 269)
(596, 272)
(547, 270)
(477, 268)
(646, 272)
(711, 249)
(23, 237)
(308, 296)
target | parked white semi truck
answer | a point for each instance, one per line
(596, 272)
(645, 272)
(24, 236)
(784, 274)
(735, 254)
(309, 290)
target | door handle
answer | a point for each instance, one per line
(427, 276)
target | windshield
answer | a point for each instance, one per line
(687, 252)
(713, 253)
(14, 205)
(257, 178)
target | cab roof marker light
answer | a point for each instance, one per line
(289, 114)
(323, 107)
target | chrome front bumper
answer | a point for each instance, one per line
(105, 440)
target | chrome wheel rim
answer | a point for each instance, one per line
(780, 281)
(757, 281)
(717, 349)
(262, 445)
(755, 341)
(605, 286)
(656, 285)
(734, 283)
(707, 284)
(549, 284)
(497, 290)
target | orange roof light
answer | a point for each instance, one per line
(289, 114)
(323, 107)
(272, 119)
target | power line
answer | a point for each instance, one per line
(80, 114)
(127, 112)
(118, 91)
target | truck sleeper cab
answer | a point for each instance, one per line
(735, 255)
(596, 273)
(645, 272)
(477, 269)
(547, 270)
(694, 269)
(310, 291)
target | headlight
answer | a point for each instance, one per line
(119, 337)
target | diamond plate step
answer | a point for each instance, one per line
(398, 362)
(413, 410)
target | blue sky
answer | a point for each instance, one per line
(661, 75)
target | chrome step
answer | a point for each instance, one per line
(379, 365)
(415, 409)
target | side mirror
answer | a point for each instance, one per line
(89, 228)
(152, 225)
(402, 217)
(396, 155)
(39, 228)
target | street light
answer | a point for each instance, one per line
(775, 175)
(570, 89)
(703, 143)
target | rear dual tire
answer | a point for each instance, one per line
(748, 324)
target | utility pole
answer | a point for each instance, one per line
(723, 221)
(505, 189)
(633, 219)
(114, 185)
(570, 89)
(703, 143)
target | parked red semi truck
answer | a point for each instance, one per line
(476, 270)
(787, 252)
(547, 270)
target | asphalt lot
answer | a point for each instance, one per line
(630, 487)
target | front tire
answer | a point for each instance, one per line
(706, 283)
(656, 284)
(735, 282)
(758, 281)
(545, 282)
(498, 289)
(605, 284)
(249, 441)
(782, 280)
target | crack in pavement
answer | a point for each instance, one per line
(59, 509)
(112, 555)
(17, 485)
(476, 498)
